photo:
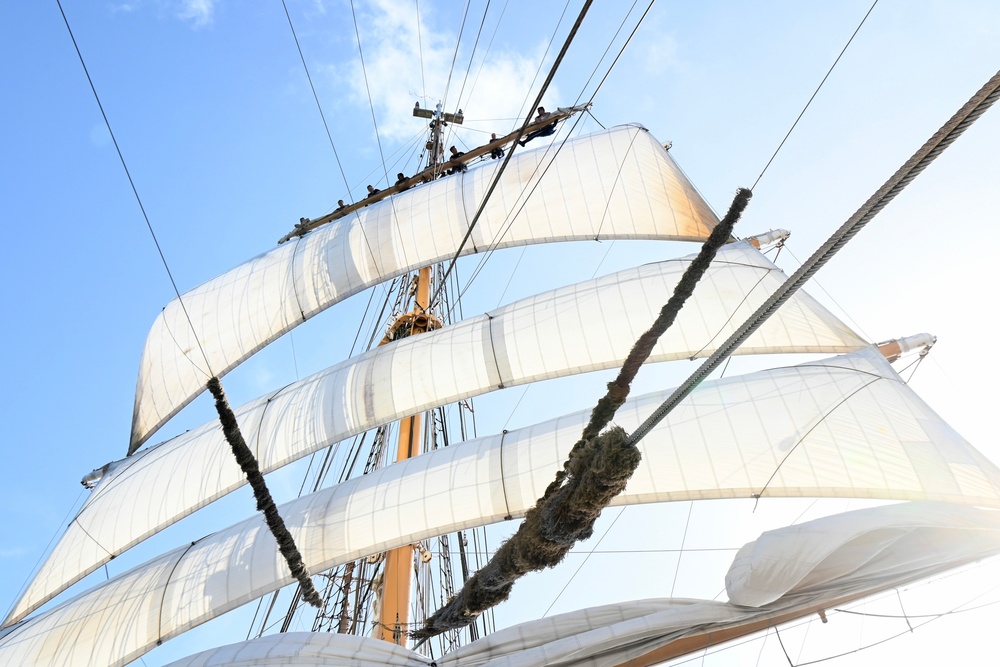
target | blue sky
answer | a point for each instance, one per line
(214, 115)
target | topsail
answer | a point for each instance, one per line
(618, 184)
(542, 337)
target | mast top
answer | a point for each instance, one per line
(432, 171)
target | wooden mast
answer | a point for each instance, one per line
(394, 612)
(397, 574)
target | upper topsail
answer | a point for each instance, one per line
(617, 184)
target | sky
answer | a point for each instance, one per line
(214, 115)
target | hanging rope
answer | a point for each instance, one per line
(265, 503)
(934, 146)
(597, 469)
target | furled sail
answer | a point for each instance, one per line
(617, 184)
(845, 427)
(550, 335)
(853, 554)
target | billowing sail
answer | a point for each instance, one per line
(852, 554)
(618, 184)
(554, 334)
(844, 427)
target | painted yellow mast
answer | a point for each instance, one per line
(397, 574)
(394, 612)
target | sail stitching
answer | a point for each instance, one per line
(295, 286)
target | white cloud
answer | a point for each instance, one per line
(199, 12)
(392, 59)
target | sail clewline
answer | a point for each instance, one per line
(845, 427)
(617, 184)
(542, 337)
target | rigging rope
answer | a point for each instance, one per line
(934, 146)
(813, 96)
(597, 469)
(510, 153)
(265, 503)
(230, 426)
(135, 192)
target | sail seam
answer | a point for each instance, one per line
(503, 478)
(295, 286)
(163, 598)
(493, 349)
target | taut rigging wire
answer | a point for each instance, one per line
(944, 137)
(813, 96)
(493, 246)
(510, 153)
(128, 174)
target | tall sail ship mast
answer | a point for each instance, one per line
(585, 289)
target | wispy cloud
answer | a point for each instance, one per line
(198, 12)
(404, 65)
(13, 552)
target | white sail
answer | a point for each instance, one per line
(862, 552)
(579, 328)
(618, 184)
(844, 427)
(854, 554)
(841, 557)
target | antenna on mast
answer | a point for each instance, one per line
(439, 120)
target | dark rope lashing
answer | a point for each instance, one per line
(596, 470)
(265, 503)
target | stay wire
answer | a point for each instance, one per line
(420, 50)
(135, 191)
(611, 42)
(495, 244)
(489, 47)
(472, 55)
(454, 55)
(510, 153)
(621, 50)
(371, 106)
(312, 87)
(813, 96)
(925, 155)
(368, 91)
(586, 558)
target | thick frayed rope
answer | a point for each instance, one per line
(265, 503)
(597, 469)
(598, 472)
